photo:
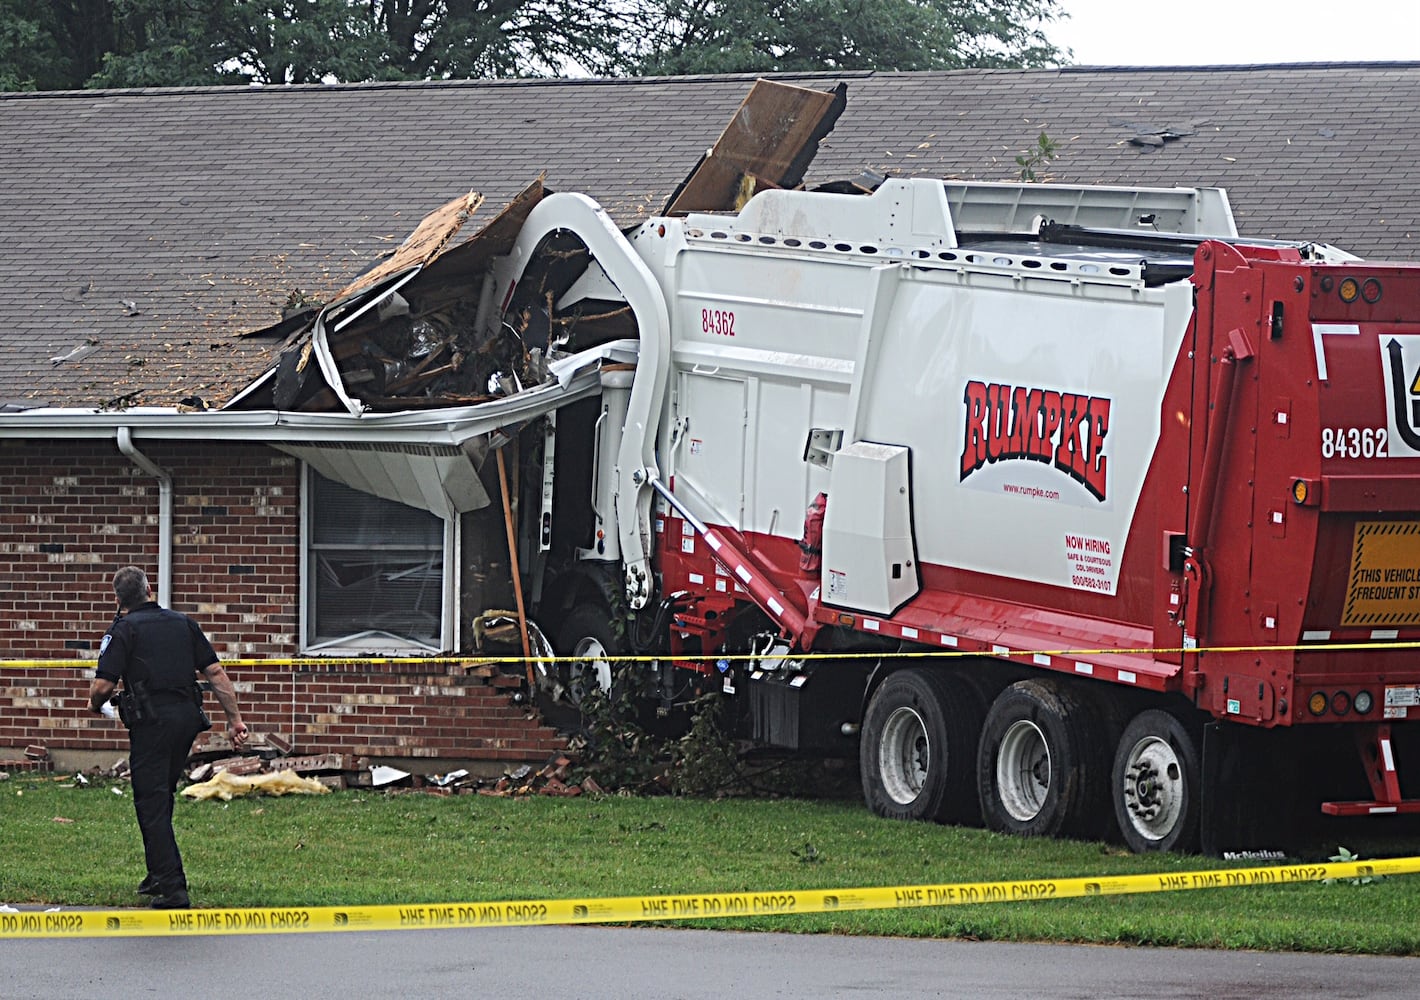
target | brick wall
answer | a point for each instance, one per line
(396, 710)
(72, 512)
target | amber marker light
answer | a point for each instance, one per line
(1316, 704)
(1349, 290)
(1299, 491)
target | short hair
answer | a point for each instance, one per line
(130, 585)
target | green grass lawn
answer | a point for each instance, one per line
(79, 846)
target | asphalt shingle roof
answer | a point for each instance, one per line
(143, 231)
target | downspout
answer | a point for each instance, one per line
(165, 512)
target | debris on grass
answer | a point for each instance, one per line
(226, 786)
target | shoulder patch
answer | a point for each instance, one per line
(103, 646)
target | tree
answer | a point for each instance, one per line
(310, 41)
(457, 39)
(751, 36)
(51, 46)
(68, 44)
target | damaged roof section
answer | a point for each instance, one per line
(405, 333)
(423, 245)
(1149, 137)
(769, 143)
(416, 331)
(157, 255)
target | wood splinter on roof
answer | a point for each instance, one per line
(405, 334)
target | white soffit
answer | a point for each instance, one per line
(437, 478)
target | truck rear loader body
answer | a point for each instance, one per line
(1063, 507)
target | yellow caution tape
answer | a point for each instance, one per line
(635, 909)
(935, 654)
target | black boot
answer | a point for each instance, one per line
(171, 901)
(148, 887)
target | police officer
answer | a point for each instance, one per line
(157, 654)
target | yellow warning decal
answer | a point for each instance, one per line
(1384, 585)
(636, 909)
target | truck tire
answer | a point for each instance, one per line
(587, 638)
(1156, 783)
(1040, 768)
(918, 742)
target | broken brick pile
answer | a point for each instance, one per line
(35, 761)
(553, 779)
(213, 754)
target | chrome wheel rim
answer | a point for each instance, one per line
(1023, 771)
(904, 756)
(1154, 788)
(589, 670)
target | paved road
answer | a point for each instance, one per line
(614, 963)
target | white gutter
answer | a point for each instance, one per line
(574, 378)
(165, 512)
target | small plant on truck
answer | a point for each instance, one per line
(1063, 508)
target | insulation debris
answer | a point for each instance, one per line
(226, 786)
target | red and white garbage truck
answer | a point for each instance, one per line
(1065, 508)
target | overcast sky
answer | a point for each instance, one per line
(1208, 32)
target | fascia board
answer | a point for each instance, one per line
(452, 425)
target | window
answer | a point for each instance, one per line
(374, 575)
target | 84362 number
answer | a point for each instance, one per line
(1354, 442)
(720, 321)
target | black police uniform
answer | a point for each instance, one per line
(161, 650)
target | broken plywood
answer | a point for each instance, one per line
(423, 345)
(421, 246)
(420, 347)
(769, 143)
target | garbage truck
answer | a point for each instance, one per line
(1063, 509)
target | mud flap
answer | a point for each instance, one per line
(1248, 793)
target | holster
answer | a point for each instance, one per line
(135, 707)
(201, 712)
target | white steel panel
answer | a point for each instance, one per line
(1046, 512)
(710, 456)
(893, 355)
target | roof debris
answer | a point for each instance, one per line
(1148, 136)
(227, 786)
(78, 351)
(769, 143)
(409, 333)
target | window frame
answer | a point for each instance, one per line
(374, 641)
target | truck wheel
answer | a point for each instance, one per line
(1156, 784)
(587, 637)
(1040, 772)
(919, 736)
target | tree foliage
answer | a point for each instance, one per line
(740, 36)
(69, 44)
